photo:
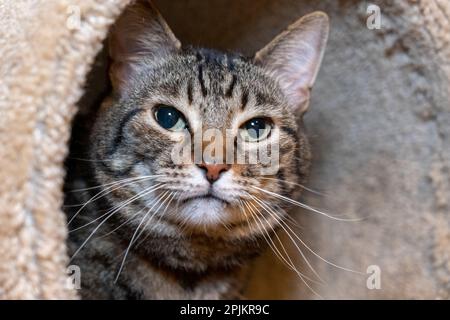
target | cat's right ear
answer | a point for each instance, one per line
(139, 33)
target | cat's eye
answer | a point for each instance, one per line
(256, 129)
(170, 118)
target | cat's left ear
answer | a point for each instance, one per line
(294, 57)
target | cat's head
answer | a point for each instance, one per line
(166, 96)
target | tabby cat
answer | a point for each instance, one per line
(151, 228)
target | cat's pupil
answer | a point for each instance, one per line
(256, 127)
(167, 117)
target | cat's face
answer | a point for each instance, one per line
(167, 97)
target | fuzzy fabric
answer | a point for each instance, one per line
(45, 54)
(379, 123)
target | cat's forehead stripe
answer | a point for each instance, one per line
(201, 80)
(229, 92)
(189, 91)
(244, 98)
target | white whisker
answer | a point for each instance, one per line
(320, 257)
(306, 246)
(121, 205)
(171, 197)
(280, 219)
(291, 266)
(302, 205)
(134, 235)
(296, 184)
(115, 182)
(107, 191)
(144, 192)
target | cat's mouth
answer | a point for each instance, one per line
(207, 196)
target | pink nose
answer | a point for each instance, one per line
(213, 171)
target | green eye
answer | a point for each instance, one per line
(170, 118)
(256, 129)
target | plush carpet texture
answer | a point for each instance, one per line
(379, 124)
(45, 53)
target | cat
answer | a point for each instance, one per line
(151, 228)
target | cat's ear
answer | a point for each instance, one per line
(294, 57)
(139, 33)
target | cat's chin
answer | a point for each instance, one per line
(207, 211)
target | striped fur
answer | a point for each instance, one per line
(194, 248)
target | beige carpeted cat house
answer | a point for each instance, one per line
(379, 125)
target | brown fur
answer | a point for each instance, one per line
(177, 254)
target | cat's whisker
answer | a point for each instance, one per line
(107, 191)
(305, 245)
(279, 218)
(98, 195)
(288, 217)
(116, 182)
(242, 210)
(141, 194)
(171, 196)
(296, 184)
(262, 231)
(320, 257)
(121, 205)
(290, 264)
(266, 235)
(183, 225)
(96, 160)
(225, 225)
(136, 233)
(304, 206)
(302, 277)
(121, 225)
